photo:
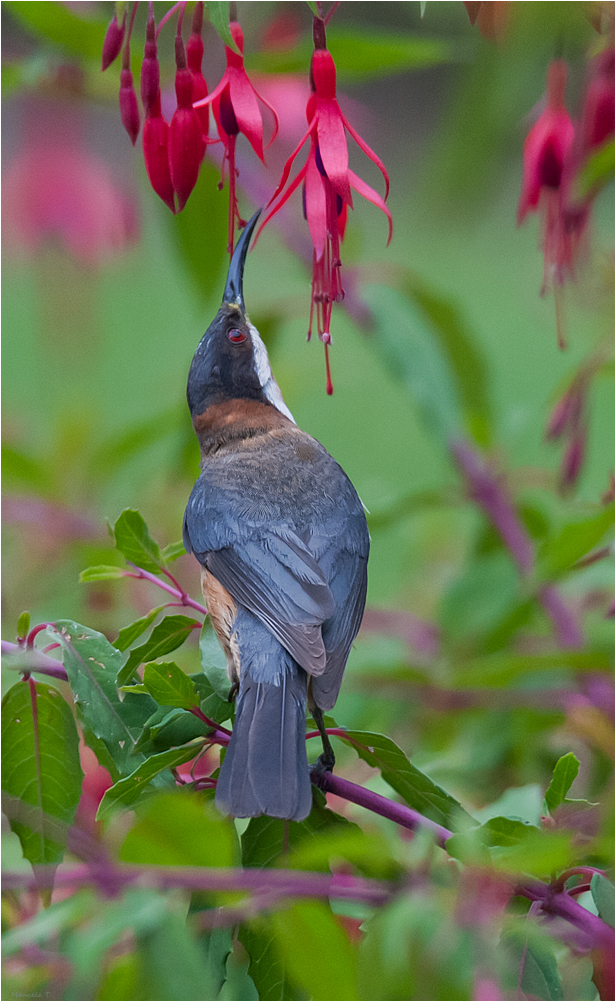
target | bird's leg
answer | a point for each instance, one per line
(327, 760)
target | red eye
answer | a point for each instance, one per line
(236, 336)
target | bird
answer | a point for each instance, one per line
(282, 540)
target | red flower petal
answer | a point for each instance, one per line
(286, 170)
(373, 196)
(246, 109)
(363, 145)
(285, 198)
(156, 156)
(333, 147)
(316, 207)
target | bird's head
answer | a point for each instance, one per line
(231, 361)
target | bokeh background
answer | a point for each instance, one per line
(106, 295)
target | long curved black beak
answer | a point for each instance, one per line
(234, 290)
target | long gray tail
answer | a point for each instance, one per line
(265, 770)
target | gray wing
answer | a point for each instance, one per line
(348, 583)
(276, 578)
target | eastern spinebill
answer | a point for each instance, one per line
(282, 538)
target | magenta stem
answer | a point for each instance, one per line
(176, 592)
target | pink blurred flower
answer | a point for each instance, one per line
(56, 189)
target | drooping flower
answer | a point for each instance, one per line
(546, 150)
(327, 183)
(235, 108)
(186, 140)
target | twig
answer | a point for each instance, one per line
(178, 593)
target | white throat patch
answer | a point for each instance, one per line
(264, 373)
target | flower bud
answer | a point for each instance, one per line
(150, 72)
(129, 109)
(113, 42)
(573, 460)
(194, 55)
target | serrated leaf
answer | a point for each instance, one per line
(213, 661)
(602, 891)
(41, 770)
(419, 792)
(574, 541)
(129, 634)
(170, 686)
(307, 930)
(23, 624)
(472, 846)
(173, 551)
(134, 541)
(539, 854)
(565, 771)
(92, 665)
(166, 636)
(102, 572)
(218, 12)
(126, 791)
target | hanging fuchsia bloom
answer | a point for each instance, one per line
(113, 41)
(327, 183)
(186, 140)
(234, 103)
(598, 113)
(546, 150)
(155, 127)
(194, 54)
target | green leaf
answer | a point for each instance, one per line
(266, 840)
(41, 771)
(213, 661)
(410, 350)
(166, 636)
(471, 846)
(498, 670)
(134, 542)
(602, 891)
(465, 362)
(565, 771)
(238, 983)
(58, 24)
(170, 686)
(92, 665)
(169, 729)
(597, 171)
(126, 791)
(414, 786)
(49, 922)
(313, 7)
(23, 624)
(218, 13)
(306, 931)
(574, 541)
(180, 829)
(103, 572)
(140, 690)
(267, 969)
(174, 964)
(129, 634)
(481, 597)
(533, 955)
(173, 551)
(211, 703)
(369, 852)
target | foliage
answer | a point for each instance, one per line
(467, 852)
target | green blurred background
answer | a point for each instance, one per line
(96, 359)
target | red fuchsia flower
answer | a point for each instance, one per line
(546, 150)
(155, 127)
(194, 55)
(186, 140)
(598, 113)
(113, 41)
(327, 183)
(235, 108)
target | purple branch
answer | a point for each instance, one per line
(176, 592)
(491, 496)
(402, 815)
(283, 883)
(561, 903)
